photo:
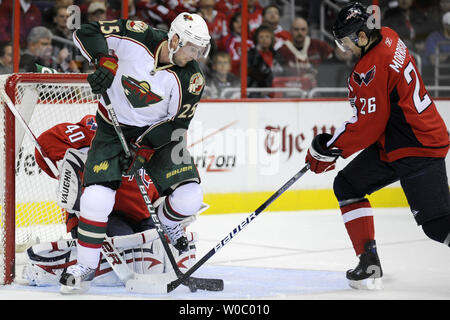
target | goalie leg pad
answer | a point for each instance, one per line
(45, 268)
(184, 259)
(69, 186)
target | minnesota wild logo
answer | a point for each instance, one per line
(101, 167)
(139, 92)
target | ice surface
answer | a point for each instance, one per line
(297, 255)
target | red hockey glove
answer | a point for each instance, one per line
(320, 158)
(139, 156)
(102, 78)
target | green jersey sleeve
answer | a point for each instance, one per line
(91, 37)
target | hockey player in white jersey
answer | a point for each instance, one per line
(154, 83)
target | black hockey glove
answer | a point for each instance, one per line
(102, 78)
(319, 156)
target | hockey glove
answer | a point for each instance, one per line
(102, 78)
(320, 158)
(139, 156)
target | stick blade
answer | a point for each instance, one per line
(207, 284)
(149, 283)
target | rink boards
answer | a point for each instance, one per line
(245, 151)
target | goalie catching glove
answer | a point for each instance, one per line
(319, 156)
(102, 78)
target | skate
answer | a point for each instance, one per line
(368, 273)
(76, 279)
(176, 236)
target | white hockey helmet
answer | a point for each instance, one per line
(191, 28)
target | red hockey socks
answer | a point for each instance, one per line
(358, 220)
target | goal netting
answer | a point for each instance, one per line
(28, 209)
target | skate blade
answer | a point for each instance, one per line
(367, 284)
(82, 288)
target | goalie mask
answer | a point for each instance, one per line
(193, 35)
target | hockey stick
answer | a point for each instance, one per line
(174, 284)
(191, 282)
(22, 121)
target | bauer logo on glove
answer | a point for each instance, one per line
(319, 156)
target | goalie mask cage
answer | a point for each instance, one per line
(28, 209)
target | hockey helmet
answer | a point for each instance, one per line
(193, 32)
(352, 19)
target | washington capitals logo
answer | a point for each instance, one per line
(91, 124)
(364, 77)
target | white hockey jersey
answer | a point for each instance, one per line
(143, 93)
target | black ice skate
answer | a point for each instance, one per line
(177, 237)
(76, 279)
(368, 273)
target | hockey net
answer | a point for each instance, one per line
(28, 209)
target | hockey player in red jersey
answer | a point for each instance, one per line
(78, 136)
(129, 223)
(401, 135)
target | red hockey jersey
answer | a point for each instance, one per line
(391, 106)
(56, 140)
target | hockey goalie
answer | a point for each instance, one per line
(129, 226)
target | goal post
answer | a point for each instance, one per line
(28, 209)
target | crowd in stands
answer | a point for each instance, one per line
(284, 48)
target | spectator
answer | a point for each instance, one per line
(48, 15)
(436, 13)
(255, 15)
(30, 17)
(302, 55)
(182, 5)
(410, 23)
(433, 42)
(230, 7)
(6, 61)
(155, 14)
(221, 78)
(262, 61)
(61, 48)
(303, 52)
(39, 51)
(271, 17)
(231, 43)
(216, 21)
(59, 27)
(96, 12)
(110, 13)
